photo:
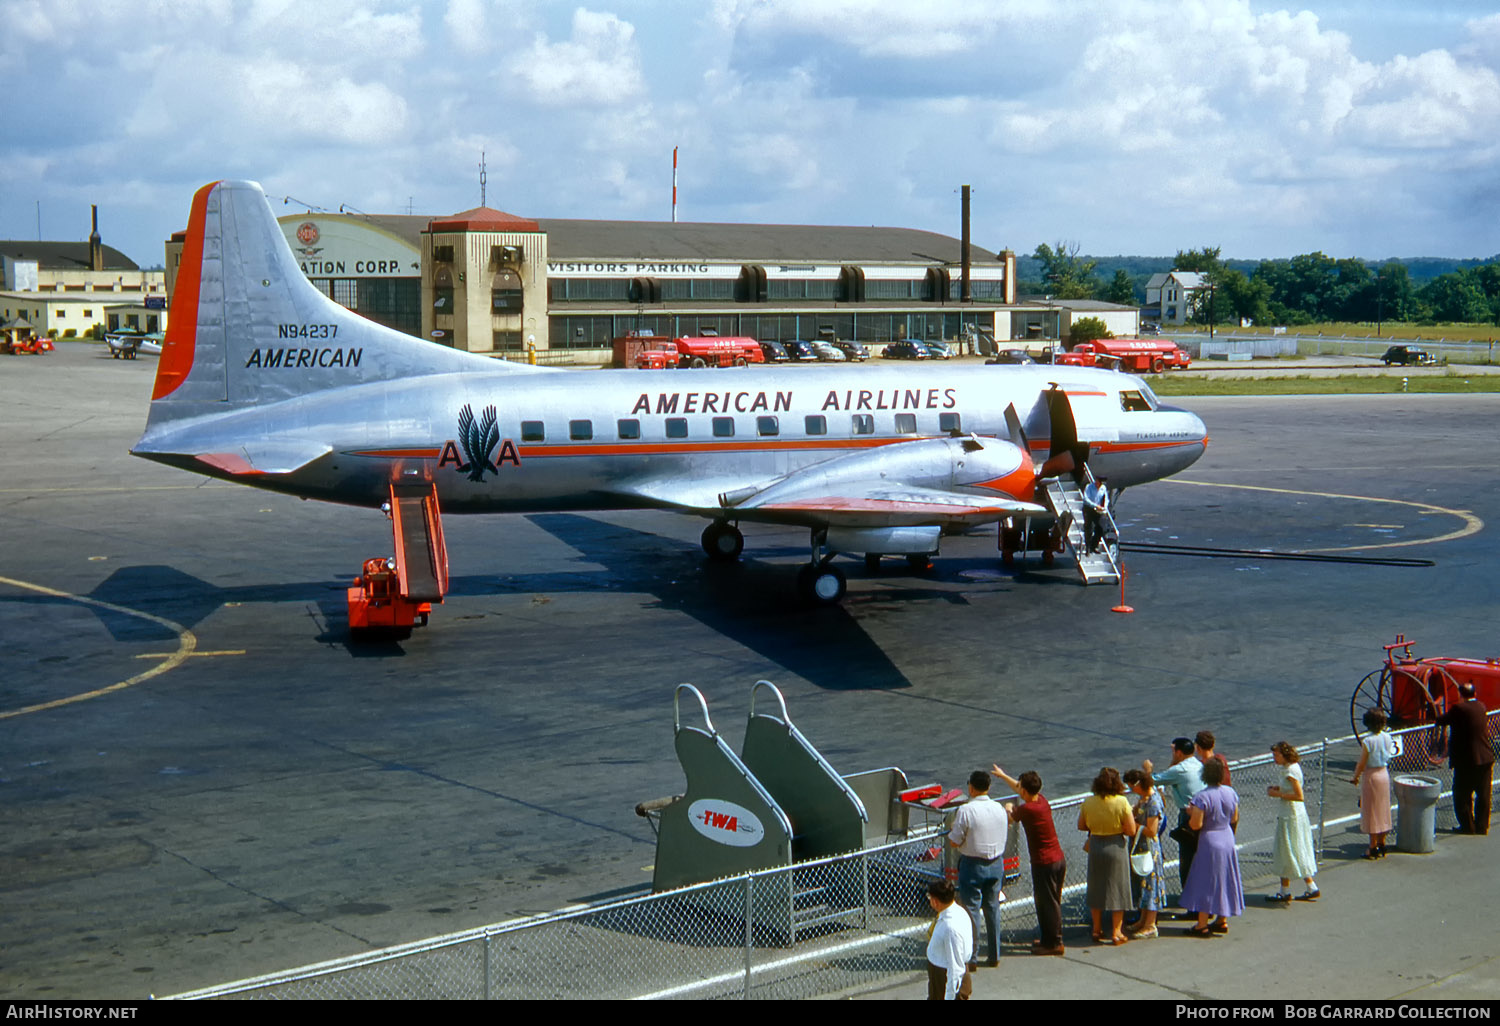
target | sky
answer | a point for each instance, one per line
(1368, 129)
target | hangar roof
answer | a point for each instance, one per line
(664, 241)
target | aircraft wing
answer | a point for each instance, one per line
(935, 481)
(878, 503)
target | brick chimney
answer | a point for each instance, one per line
(96, 246)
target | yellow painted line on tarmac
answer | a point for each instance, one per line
(187, 644)
(1471, 523)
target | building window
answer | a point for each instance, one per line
(864, 423)
(767, 426)
(580, 430)
(949, 423)
(533, 431)
(906, 423)
(677, 427)
(723, 427)
(628, 428)
(816, 425)
(507, 296)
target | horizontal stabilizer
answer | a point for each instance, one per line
(268, 457)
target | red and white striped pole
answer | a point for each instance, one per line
(674, 184)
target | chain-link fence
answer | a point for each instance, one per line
(1479, 351)
(819, 927)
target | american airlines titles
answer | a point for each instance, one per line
(751, 402)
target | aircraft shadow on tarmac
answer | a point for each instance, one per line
(751, 603)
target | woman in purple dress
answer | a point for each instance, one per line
(1213, 885)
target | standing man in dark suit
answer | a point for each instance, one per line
(1472, 758)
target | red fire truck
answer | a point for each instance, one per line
(1136, 355)
(708, 351)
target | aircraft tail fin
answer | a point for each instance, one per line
(247, 327)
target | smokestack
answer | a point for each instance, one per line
(96, 246)
(964, 295)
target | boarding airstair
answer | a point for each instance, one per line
(776, 805)
(393, 593)
(1065, 498)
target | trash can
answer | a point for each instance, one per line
(1416, 813)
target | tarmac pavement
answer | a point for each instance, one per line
(1408, 927)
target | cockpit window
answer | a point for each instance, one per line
(1136, 401)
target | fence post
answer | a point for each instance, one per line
(749, 929)
(486, 965)
(864, 880)
(1323, 802)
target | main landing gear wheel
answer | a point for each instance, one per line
(723, 542)
(822, 583)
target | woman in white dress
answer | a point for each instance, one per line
(1294, 850)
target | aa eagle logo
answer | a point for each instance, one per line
(478, 439)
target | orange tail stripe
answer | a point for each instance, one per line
(176, 359)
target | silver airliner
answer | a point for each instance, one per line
(265, 381)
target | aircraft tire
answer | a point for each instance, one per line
(723, 542)
(822, 584)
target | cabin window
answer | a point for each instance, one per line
(767, 426)
(676, 427)
(864, 423)
(580, 430)
(906, 423)
(723, 427)
(533, 431)
(949, 423)
(1134, 402)
(629, 428)
(816, 425)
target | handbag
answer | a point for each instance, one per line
(1142, 863)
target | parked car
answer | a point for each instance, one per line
(1408, 356)
(828, 353)
(801, 350)
(906, 349)
(1012, 356)
(853, 350)
(937, 351)
(775, 352)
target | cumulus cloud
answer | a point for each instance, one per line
(598, 64)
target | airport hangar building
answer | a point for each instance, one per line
(493, 283)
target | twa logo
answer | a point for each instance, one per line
(726, 822)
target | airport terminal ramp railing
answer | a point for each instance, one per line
(675, 944)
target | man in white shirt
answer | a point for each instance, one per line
(950, 948)
(978, 832)
(1095, 507)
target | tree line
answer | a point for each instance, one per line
(1304, 289)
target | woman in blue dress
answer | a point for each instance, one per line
(1213, 887)
(1149, 813)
